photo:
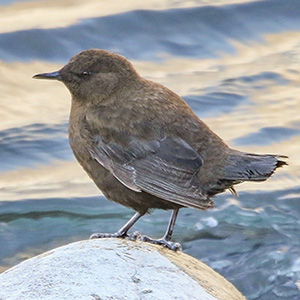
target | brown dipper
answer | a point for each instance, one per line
(143, 146)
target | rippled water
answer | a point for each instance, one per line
(237, 65)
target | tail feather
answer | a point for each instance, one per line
(252, 167)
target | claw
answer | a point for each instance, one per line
(106, 235)
(163, 242)
(123, 235)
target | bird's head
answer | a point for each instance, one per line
(93, 75)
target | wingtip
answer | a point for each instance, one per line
(281, 163)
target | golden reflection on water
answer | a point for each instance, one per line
(60, 179)
(26, 101)
(62, 13)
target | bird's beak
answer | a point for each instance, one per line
(53, 75)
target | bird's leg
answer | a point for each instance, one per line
(166, 239)
(168, 235)
(123, 232)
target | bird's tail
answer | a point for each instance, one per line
(251, 167)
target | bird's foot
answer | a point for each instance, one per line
(163, 242)
(137, 236)
(105, 235)
(123, 235)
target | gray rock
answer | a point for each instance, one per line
(114, 269)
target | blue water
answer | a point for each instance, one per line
(237, 66)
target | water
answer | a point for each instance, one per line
(237, 65)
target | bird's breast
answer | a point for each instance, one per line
(79, 138)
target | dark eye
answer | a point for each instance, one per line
(85, 74)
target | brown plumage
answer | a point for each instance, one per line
(142, 144)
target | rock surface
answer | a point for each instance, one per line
(114, 269)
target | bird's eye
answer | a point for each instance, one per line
(85, 74)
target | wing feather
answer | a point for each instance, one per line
(166, 168)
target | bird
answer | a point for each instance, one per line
(144, 147)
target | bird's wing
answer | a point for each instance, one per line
(166, 168)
